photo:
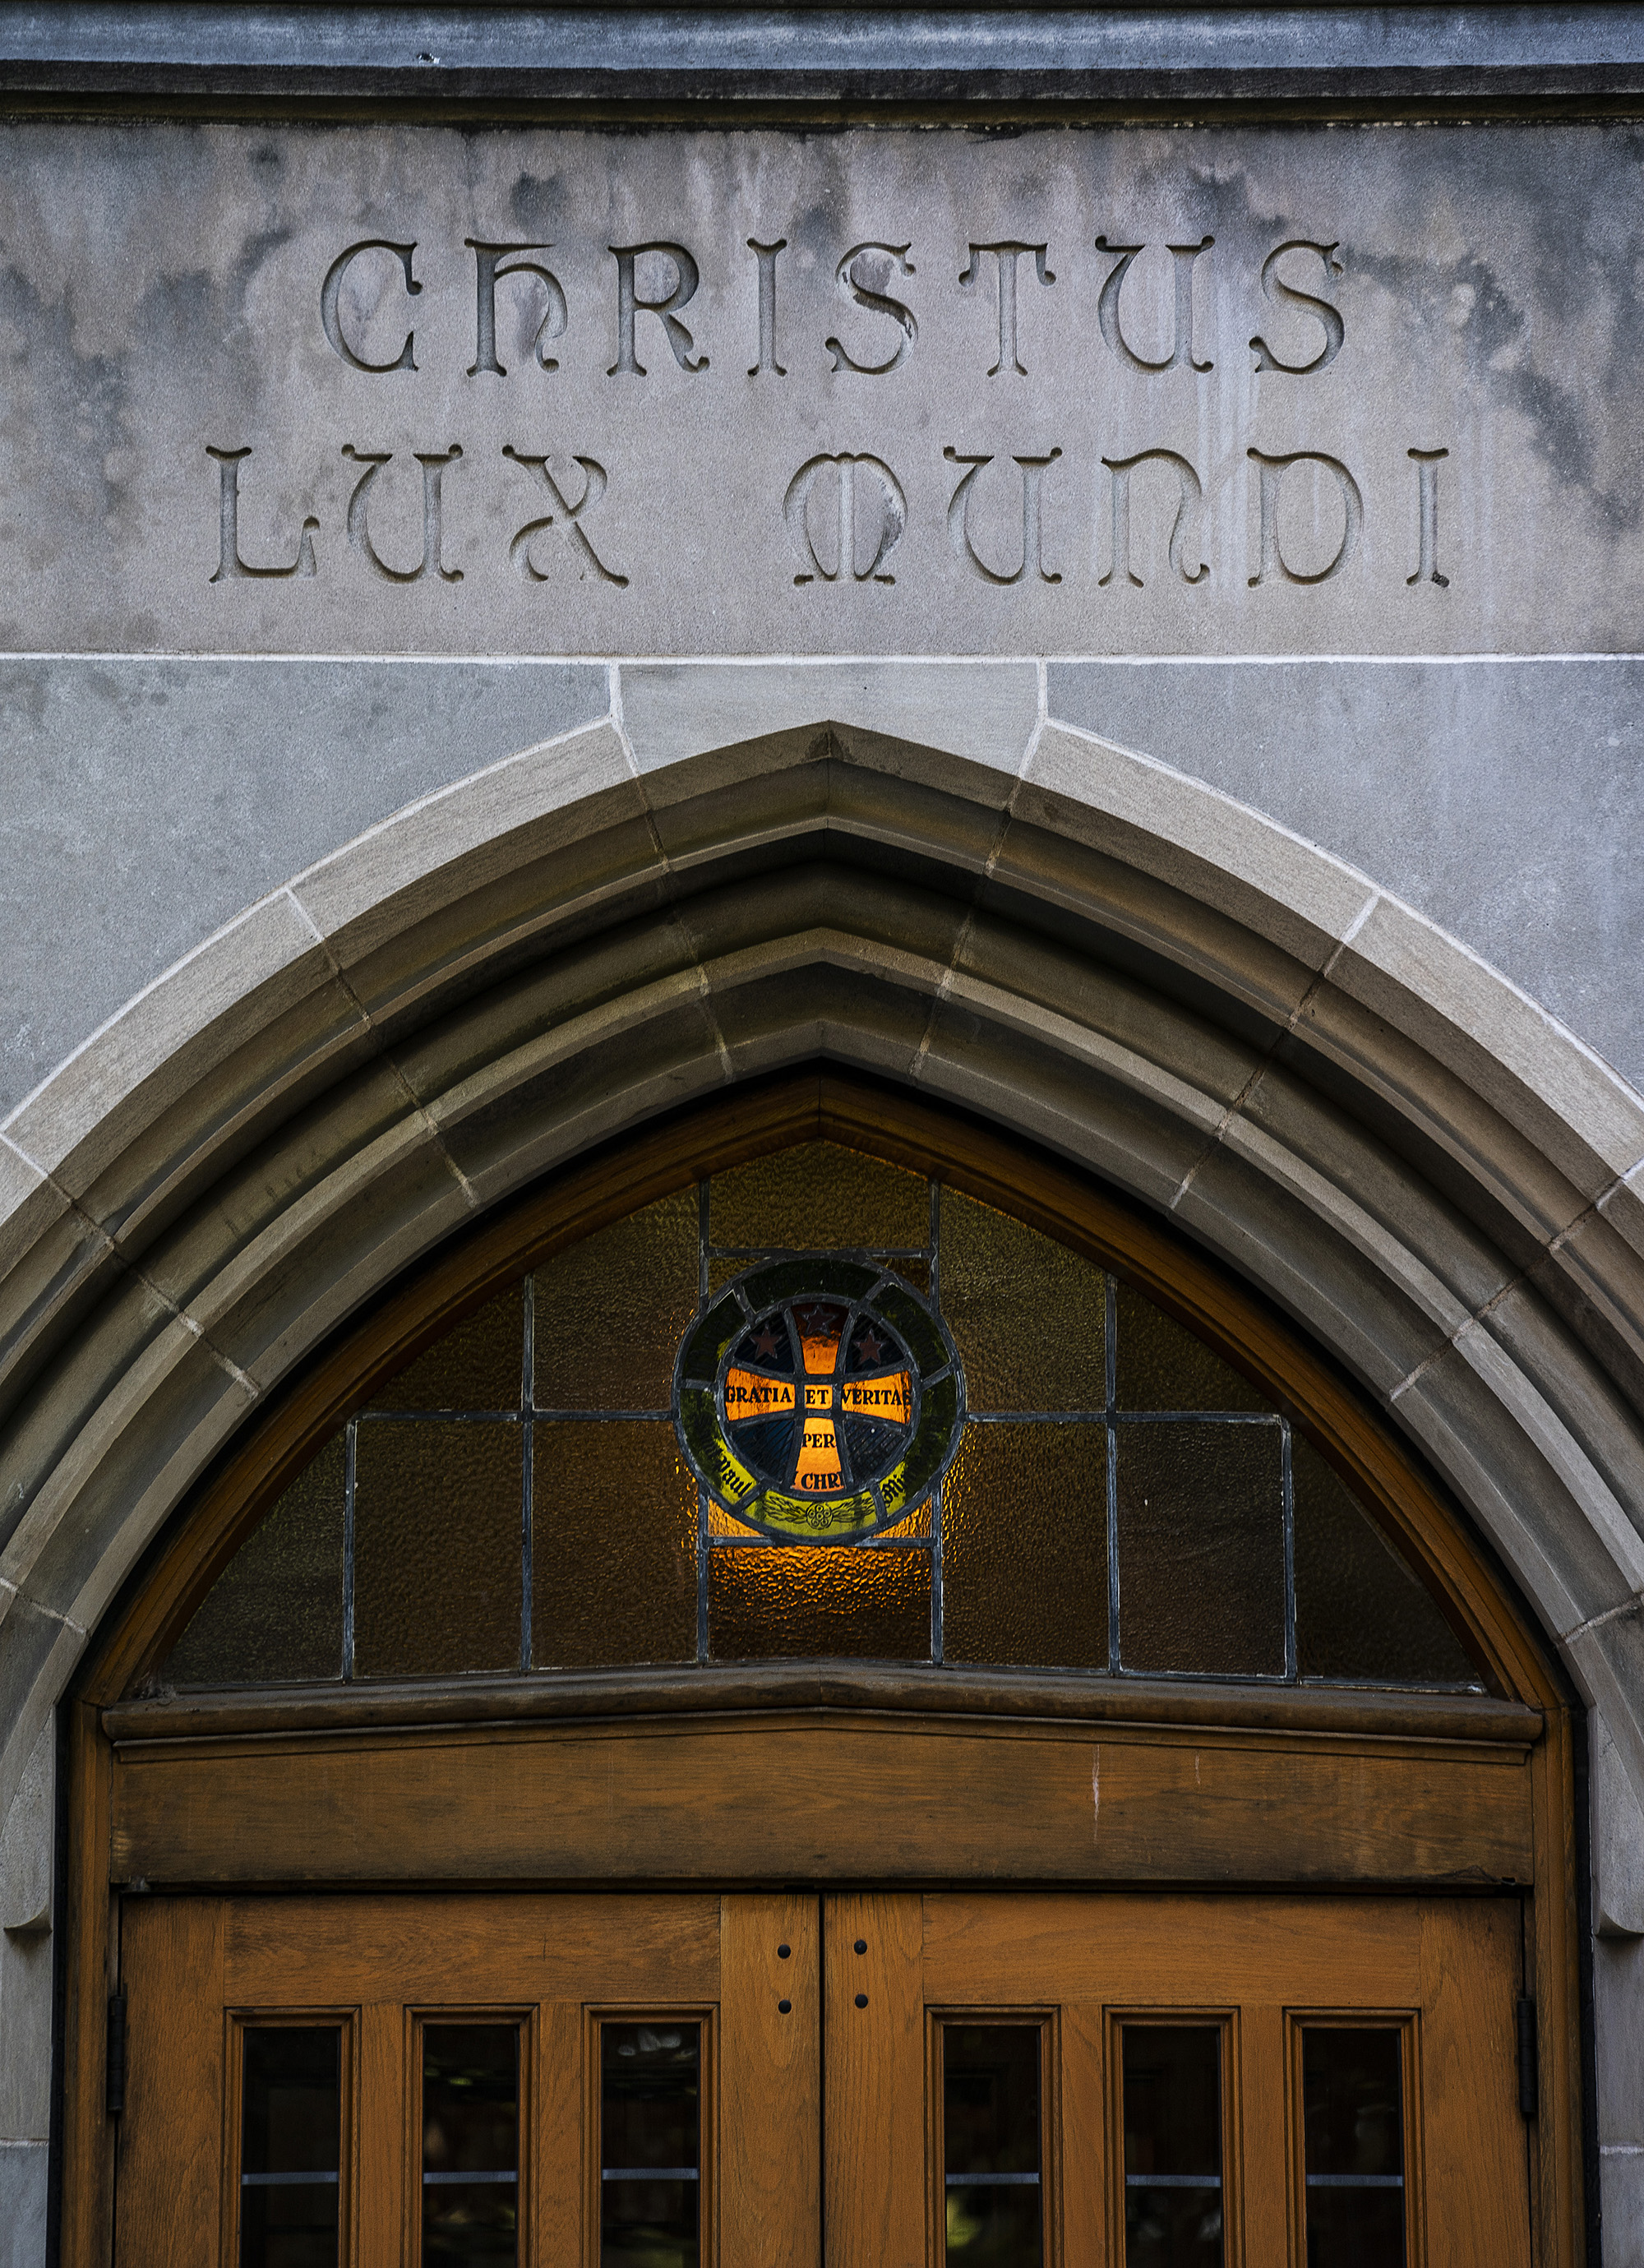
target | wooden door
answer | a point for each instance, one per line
(430, 2080)
(1217, 2082)
(874, 2080)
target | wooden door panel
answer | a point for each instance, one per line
(171, 2132)
(770, 2184)
(1080, 2151)
(875, 2063)
(1476, 2170)
(467, 1946)
(863, 2166)
(987, 1950)
(382, 2122)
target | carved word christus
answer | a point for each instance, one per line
(878, 291)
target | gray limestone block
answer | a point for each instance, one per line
(391, 387)
(1621, 2192)
(987, 713)
(1497, 796)
(22, 2183)
(163, 797)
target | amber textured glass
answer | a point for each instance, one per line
(1361, 1613)
(1162, 1366)
(786, 1602)
(274, 1614)
(816, 1196)
(1201, 1548)
(611, 1310)
(614, 1555)
(437, 1549)
(1028, 1316)
(478, 1365)
(1025, 1547)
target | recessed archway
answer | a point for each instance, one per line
(1086, 949)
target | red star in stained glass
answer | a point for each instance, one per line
(869, 1348)
(765, 1345)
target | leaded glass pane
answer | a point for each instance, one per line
(1201, 1548)
(818, 1406)
(274, 1614)
(614, 1548)
(1027, 1496)
(437, 1548)
(781, 1601)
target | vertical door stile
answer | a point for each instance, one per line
(173, 2131)
(770, 2122)
(874, 2190)
(386, 2216)
(1262, 2145)
(1081, 2153)
(559, 2142)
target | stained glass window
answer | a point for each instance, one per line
(820, 1406)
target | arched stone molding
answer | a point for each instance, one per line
(914, 871)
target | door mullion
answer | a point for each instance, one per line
(875, 2141)
(770, 2138)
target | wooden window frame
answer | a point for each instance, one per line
(1047, 2020)
(1407, 2023)
(1528, 1712)
(629, 2012)
(1158, 2015)
(418, 2015)
(237, 2021)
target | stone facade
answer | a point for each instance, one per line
(461, 566)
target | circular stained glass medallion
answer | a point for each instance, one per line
(818, 1400)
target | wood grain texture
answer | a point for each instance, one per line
(382, 2119)
(560, 2141)
(873, 2059)
(1163, 1952)
(1474, 2172)
(914, 1688)
(170, 2174)
(1262, 2134)
(459, 1949)
(771, 2107)
(1086, 2145)
(819, 1802)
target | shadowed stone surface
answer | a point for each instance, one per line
(613, 450)
(148, 802)
(1500, 798)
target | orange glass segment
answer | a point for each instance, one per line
(820, 1327)
(889, 1399)
(747, 1395)
(817, 1472)
(818, 1397)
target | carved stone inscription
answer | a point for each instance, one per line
(1111, 391)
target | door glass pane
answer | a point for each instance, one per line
(470, 2145)
(991, 2151)
(1353, 2118)
(650, 2144)
(290, 2146)
(1172, 2146)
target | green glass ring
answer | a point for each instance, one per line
(818, 1401)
